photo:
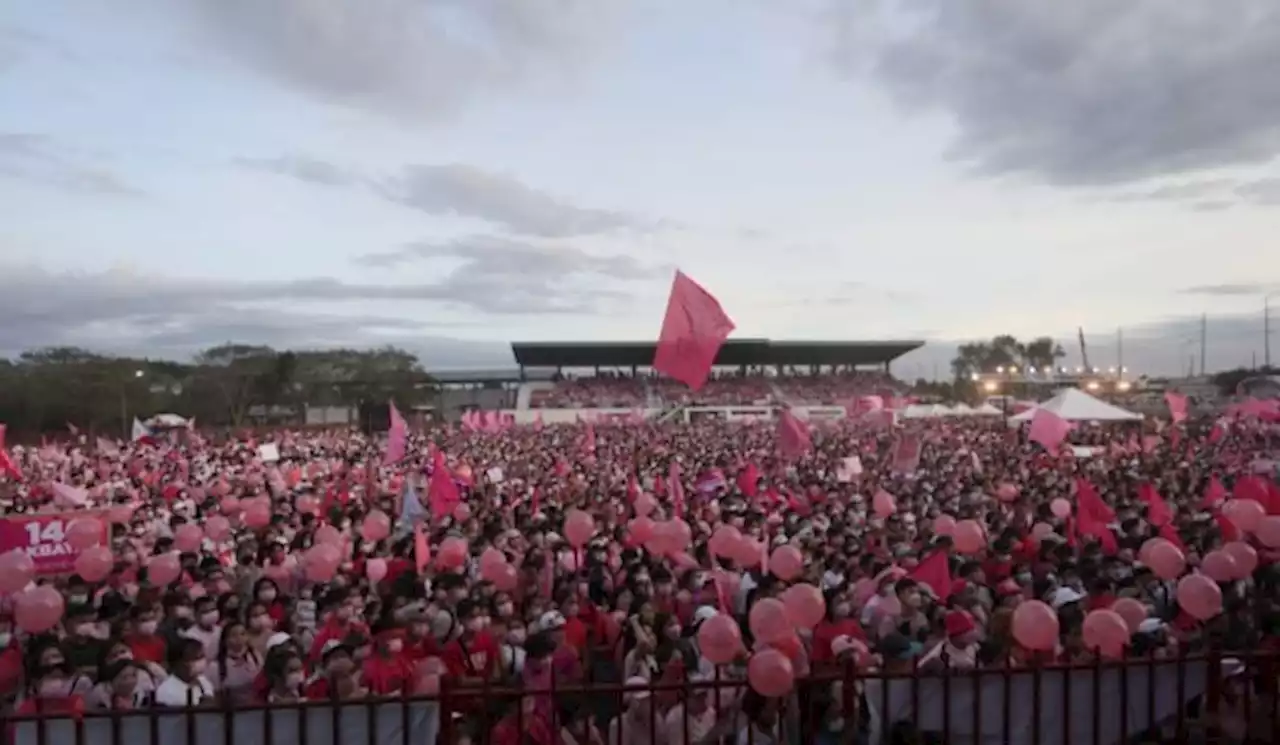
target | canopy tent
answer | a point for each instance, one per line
(961, 409)
(1075, 405)
(166, 421)
(987, 410)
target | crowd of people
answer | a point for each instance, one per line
(318, 568)
(729, 389)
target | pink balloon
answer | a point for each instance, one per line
(944, 525)
(462, 512)
(217, 528)
(1060, 508)
(969, 537)
(16, 570)
(805, 605)
(883, 504)
(1106, 632)
(328, 534)
(770, 673)
(39, 609)
(786, 562)
(1132, 611)
(321, 561)
(748, 552)
(1218, 566)
(724, 541)
(376, 526)
(1007, 492)
(506, 578)
(1166, 560)
(257, 515)
(187, 538)
(1040, 531)
(375, 569)
(230, 505)
(491, 558)
(679, 534)
(644, 505)
(1144, 553)
(1245, 558)
(1199, 596)
(720, 639)
(683, 560)
(307, 504)
(641, 529)
(1269, 531)
(1035, 626)
(85, 532)
(94, 564)
(768, 621)
(453, 552)
(164, 569)
(578, 528)
(1246, 514)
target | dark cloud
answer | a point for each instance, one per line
(506, 257)
(406, 57)
(1242, 289)
(40, 160)
(1087, 92)
(42, 308)
(303, 168)
(456, 190)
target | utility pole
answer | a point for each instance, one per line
(1266, 332)
(1120, 352)
(1204, 333)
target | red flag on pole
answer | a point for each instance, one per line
(1158, 512)
(1177, 406)
(1093, 515)
(793, 435)
(693, 330)
(397, 436)
(442, 492)
(935, 572)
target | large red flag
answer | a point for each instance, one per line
(793, 435)
(1092, 516)
(749, 480)
(442, 492)
(1158, 512)
(935, 572)
(397, 436)
(1213, 494)
(693, 331)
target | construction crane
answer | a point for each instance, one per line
(1084, 351)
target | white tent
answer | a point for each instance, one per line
(961, 409)
(1075, 405)
(987, 410)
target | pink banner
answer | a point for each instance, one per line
(43, 538)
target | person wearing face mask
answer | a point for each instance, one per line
(340, 621)
(81, 645)
(236, 665)
(117, 689)
(959, 651)
(50, 693)
(388, 670)
(512, 650)
(206, 628)
(140, 633)
(286, 677)
(260, 628)
(267, 592)
(187, 684)
(472, 657)
(419, 642)
(337, 669)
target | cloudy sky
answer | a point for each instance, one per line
(449, 175)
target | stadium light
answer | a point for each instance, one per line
(1031, 369)
(1013, 369)
(1000, 369)
(1122, 385)
(990, 386)
(974, 377)
(1093, 385)
(1079, 370)
(1111, 370)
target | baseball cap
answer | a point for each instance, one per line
(1064, 596)
(704, 613)
(551, 621)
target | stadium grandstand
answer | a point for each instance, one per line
(747, 372)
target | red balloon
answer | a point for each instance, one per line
(1246, 514)
(1035, 626)
(883, 504)
(257, 514)
(1166, 560)
(770, 673)
(1007, 492)
(944, 525)
(376, 526)
(306, 504)
(768, 620)
(724, 541)
(969, 537)
(1269, 531)
(375, 569)
(16, 570)
(84, 532)
(1106, 632)
(39, 609)
(641, 529)
(462, 512)
(187, 538)
(506, 578)
(1218, 566)
(1060, 508)
(328, 534)
(644, 505)
(805, 605)
(786, 562)
(490, 559)
(1245, 558)
(720, 639)
(749, 552)
(164, 569)
(230, 505)
(94, 564)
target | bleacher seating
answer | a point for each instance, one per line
(616, 391)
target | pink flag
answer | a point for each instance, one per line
(749, 480)
(397, 436)
(693, 330)
(793, 435)
(677, 490)
(1177, 406)
(442, 492)
(1048, 429)
(1213, 494)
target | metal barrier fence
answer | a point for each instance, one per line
(1204, 699)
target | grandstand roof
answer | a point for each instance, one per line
(735, 352)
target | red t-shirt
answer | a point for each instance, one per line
(475, 658)
(147, 648)
(827, 631)
(387, 675)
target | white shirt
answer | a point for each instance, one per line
(176, 692)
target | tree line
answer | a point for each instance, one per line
(67, 388)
